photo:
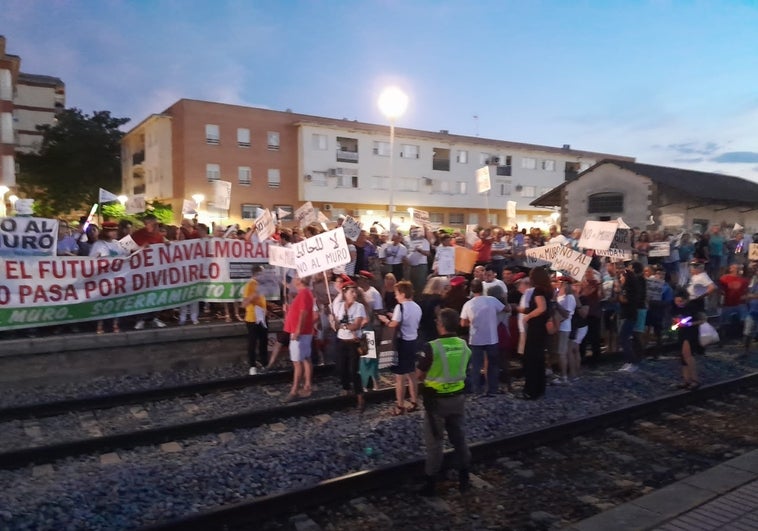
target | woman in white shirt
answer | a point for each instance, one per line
(407, 316)
(348, 317)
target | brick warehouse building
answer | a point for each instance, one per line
(282, 159)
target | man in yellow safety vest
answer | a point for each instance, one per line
(442, 371)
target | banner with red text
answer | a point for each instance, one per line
(42, 291)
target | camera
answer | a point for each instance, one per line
(345, 320)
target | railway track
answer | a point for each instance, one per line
(536, 479)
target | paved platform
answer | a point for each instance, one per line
(724, 497)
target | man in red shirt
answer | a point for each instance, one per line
(483, 246)
(299, 323)
(149, 233)
(734, 286)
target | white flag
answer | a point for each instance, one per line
(107, 197)
(281, 213)
(737, 227)
(189, 206)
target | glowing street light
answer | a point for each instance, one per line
(3, 190)
(122, 199)
(198, 198)
(392, 102)
(12, 200)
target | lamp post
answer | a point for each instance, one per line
(3, 190)
(122, 199)
(392, 103)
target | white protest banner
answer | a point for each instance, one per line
(189, 206)
(541, 256)
(420, 217)
(264, 225)
(753, 254)
(672, 221)
(351, 227)
(106, 196)
(41, 291)
(24, 207)
(471, 235)
(128, 244)
(445, 260)
(306, 214)
(321, 252)
(281, 256)
(510, 210)
(222, 194)
(659, 249)
(371, 342)
(561, 258)
(135, 204)
(483, 179)
(598, 235)
(621, 247)
(322, 218)
(28, 237)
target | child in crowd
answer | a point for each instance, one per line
(687, 321)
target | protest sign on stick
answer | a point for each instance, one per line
(321, 252)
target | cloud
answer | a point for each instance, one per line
(694, 160)
(736, 156)
(693, 148)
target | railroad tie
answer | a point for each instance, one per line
(302, 522)
(369, 510)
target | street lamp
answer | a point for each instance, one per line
(3, 190)
(392, 103)
(12, 200)
(198, 198)
(122, 199)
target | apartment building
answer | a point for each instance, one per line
(26, 101)
(277, 159)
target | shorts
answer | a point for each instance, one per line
(581, 333)
(406, 357)
(283, 338)
(300, 349)
(639, 326)
(561, 342)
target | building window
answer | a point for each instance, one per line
(528, 163)
(212, 134)
(460, 187)
(455, 219)
(436, 217)
(409, 151)
(473, 219)
(243, 137)
(441, 159)
(528, 191)
(274, 179)
(319, 142)
(317, 178)
(441, 187)
(347, 181)
(6, 84)
(213, 172)
(484, 158)
(347, 149)
(493, 220)
(379, 183)
(273, 141)
(462, 157)
(382, 148)
(249, 210)
(548, 165)
(503, 188)
(243, 175)
(408, 184)
(609, 202)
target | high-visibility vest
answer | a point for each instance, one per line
(448, 371)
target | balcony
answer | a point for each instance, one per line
(347, 156)
(504, 171)
(138, 158)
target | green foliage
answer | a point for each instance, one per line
(79, 155)
(116, 212)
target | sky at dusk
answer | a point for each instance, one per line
(669, 82)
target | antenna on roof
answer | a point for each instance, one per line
(476, 125)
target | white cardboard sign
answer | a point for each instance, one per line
(351, 227)
(371, 342)
(321, 252)
(265, 225)
(222, 194)
(598, 235)
(483, 179)
(420, 217)
(445, 260)
(753, 255)
(659, 249)
(128, 244)
(305, 215)
(562, 258)
(135, 204)
(281, 256)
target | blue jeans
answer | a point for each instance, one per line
(477, 363)
(626, 338)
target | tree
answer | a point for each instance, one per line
(79, 155)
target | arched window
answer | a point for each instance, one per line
(605, 202)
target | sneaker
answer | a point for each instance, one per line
(195, 322)
(632, 368)
(158, 323)
(625, 367)
(139, 325)
(253, 371)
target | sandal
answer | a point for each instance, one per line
(414, 407)
(397, 411)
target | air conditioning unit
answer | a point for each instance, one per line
(309, 177)
(519, 187)
(492, 161)
(327, 206)
(428, 181)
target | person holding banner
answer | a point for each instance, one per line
(107, 247)
(254, 304)
(393, 253)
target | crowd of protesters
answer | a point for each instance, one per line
(392, 283)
